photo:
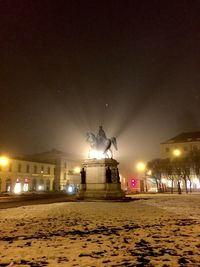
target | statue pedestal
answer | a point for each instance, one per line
(97, 184)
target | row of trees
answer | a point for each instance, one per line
(176, 170)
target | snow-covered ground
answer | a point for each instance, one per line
(157, 230)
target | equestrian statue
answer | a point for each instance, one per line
(101, 143)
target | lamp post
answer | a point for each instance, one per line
(177, 153)
(141, 168)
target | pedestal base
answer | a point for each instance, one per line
(97, 186)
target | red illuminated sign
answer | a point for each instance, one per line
(132, 182)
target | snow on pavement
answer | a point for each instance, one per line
(157, 230)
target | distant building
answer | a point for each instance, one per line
(67, 171)
(23, 176)
(46, 171)
(185, 142)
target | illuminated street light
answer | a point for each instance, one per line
(4, 161)
(77, 170)
(149, 172)
(176, 152)
(141, 166)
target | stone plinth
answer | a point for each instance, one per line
(98, 183)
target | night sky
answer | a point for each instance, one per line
(68, 66)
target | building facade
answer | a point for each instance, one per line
(25, 176)
(183, 144)
(67, 171)
(43, 172)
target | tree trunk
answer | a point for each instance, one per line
(172, 188)
(179, 187)
(186, 189)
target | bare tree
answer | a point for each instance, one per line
(169, 172)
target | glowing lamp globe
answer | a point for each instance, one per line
(141, 166)
(77, 170)
(4, 161)
(176, 152)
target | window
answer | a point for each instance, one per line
(65, 165)
(10, 167)
(35, 169)
(185, 148)
(194, 147)
(65, 176)
(19, 167)
(167, 149)
(27, 168)
(8, 185)
(49, 170)
(42, 169)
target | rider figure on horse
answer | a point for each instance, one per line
(101, 143)
(101, 137)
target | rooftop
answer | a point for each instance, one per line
(184, 137)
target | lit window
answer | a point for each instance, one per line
(167, 149)
(42, 169)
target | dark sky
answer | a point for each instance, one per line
(61, 62)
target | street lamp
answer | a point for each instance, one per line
(4, 160)
(77, 170)
(176, 152)
(141, 167)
